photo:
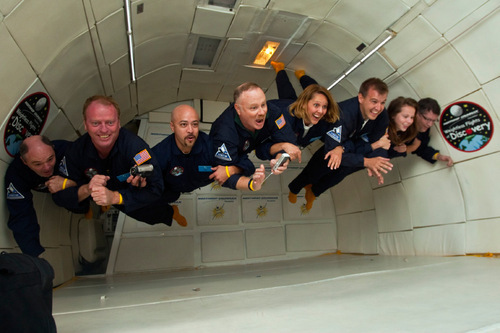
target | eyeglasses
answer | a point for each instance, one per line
(429, 120)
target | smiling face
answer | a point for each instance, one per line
(316, 109)
(40, 157)
(251, 107)
(404, 118)
(185, 125)
(372, 104)
(426, 120)
(103, 125)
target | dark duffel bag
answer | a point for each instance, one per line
(26, 294)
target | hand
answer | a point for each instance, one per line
(55, 183)
(414, 145)
(444, 158)
(383, 142)
(137, 181)
(400, 148)
(380, 178)
(335, 157)
(378, 165)
(219, 174)
(292, 150)
(258, 177)
(280, 168)
(104, 197)
(98, 180)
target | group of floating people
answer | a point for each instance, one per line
(111, 166)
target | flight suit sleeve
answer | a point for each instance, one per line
(137, 197)
(22, 216)
(280, 130)
(425, 151)
(225, 151)
(68, 198)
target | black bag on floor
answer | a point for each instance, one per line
(26, 294)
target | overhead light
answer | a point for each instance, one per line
(130, 40)
(266, 53)
(391, 35)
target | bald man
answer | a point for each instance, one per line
(186, 159)
(33, 169)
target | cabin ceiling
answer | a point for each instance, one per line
(78, 48)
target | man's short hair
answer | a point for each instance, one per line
(104, 100)
(24, 148)
(244, 87)
(429, 104)
(373, 83)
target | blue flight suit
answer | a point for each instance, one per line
(287, 92)
(184, 172)
(20, 180)
(424, 150)
(232, 142)
(356, 139)
(391, 153)
(83, 162)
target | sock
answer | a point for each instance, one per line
(310, 197)
(278, 66)
(299, 73)
(181, 220)
(292, 197)
(89, 214)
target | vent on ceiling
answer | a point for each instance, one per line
(203, 51)
(223, 3)
(206, 49)
(228, 5)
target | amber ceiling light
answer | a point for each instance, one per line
(266, 53)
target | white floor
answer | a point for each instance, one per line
(335, 293)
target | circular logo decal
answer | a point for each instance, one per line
(466, 126)
(177, 171)
(27, 119)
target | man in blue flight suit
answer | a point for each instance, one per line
(33, 169)
(186, 160)
(248, 124)
(427, 114)
(362, 133)
(100, 162)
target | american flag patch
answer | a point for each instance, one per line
(280, 122)
(142, 157)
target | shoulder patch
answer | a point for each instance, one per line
(335, 133)
(222, 153)
(62, 167)
(13, 193)
(142, 157)
(280, 122)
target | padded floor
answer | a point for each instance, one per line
(333, 293)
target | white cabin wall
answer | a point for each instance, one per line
(425, 209)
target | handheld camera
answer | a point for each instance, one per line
(143, 170)
(283, 158)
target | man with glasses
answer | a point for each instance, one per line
(427, 114)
